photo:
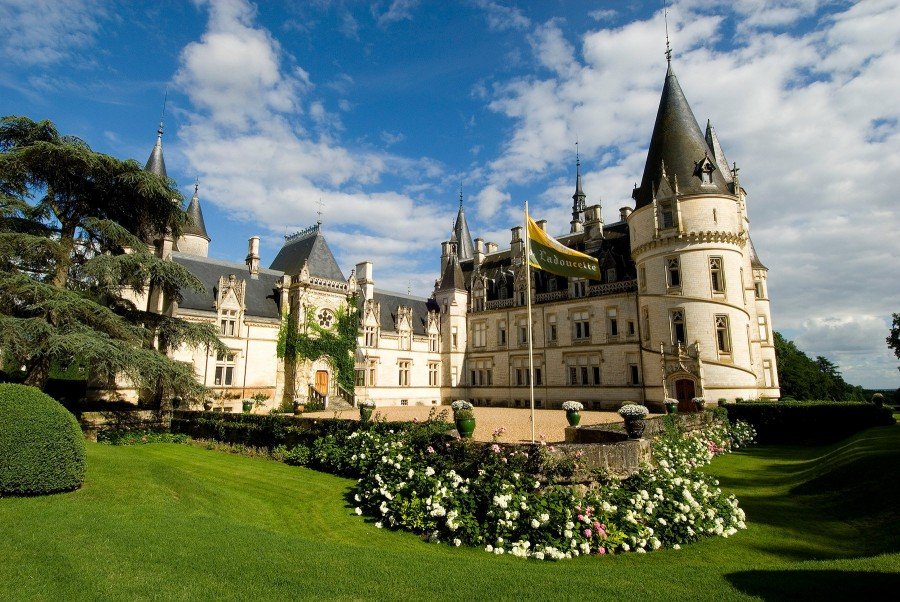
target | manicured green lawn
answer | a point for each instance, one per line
(176, 522)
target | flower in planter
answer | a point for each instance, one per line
(632, 411)
(367, 403)
(572, 406)
(460, 404)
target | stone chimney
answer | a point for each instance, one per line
(253, 257)
(624, 212)
(517, 246)
(542, 224)
(490, 247)
(593, 228)
(478, 258)
(365, 279)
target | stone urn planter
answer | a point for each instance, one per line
(634, 415)
(246, 406)
(573, 412)
(299, 408)
(671, 406)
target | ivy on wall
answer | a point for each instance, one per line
(338, 343)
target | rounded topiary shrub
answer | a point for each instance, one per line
(41, 446)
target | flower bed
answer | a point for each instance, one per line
(506, 501)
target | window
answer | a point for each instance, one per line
(405, 340)
(551, 284)
(228, 323)
(723, 336)
(551, 329)
(581, 326)
(479, 334)
(482, 373)
(611, 274)
(763, 329)
(667, 215)
(360, 378)
(373, 372)
(479, 303)
(673, 272)
(404, 402)
(454, 337)
(371, 336)
(573, 375)
(433, 341)
(521, 297)
(679, 333)
(454, 376)
(522, 373)
(645, 315)
(582, 370)
(642, 279)
(579, 287)
(225, 369)
(631, 330)
(768, 378)
(635, 374)
(433, 378)
(538, 381)
(612, 322)
(716, 274)
(596, 375)
(404, 372)
(501, 333)
(758, 288)
(325, 317)
(523, 331)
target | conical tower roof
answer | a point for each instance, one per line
(755, 263)
(678, 141)
(452, 278)
(712, 139)
(155, 163)
(465, 247)
(195, 225)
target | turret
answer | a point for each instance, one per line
(194, 239)
(578, 199)
(253, 257)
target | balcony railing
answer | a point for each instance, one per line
(596, 290)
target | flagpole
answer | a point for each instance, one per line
(528, 304)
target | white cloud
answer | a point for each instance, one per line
(44, 32)
(399, 10)
(501, 17)
(267, 150)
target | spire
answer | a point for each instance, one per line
(718, 154)
(465, 248)
(452, 278)
(155, 163)
(195, 225)
(577, 198)
(678, 141)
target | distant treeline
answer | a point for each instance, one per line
(803, 378)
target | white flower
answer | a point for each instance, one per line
(457, 542)
(378, 524)
(429, 472)
(358, 511)
(676, 547)
(535, 524)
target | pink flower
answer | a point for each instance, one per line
(601, 551)
(597, 527)
(579, 453)
(430, 449)
(551, 448)
(415, 419)
(588, 533)
(495, 448)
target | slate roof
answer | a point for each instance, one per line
(155, 163)
(465, 248)
(390, 302)
(261, 299)
(195, 225)
(308, 247)
(754, 258)
(678, 142)
(452, 278)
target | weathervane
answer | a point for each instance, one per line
(319, 212)
(668, 46)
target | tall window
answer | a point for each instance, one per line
(523, 332)
(667, 215)
(454, 337)
(404, 372)
(635, 374)
(371, 336)
(482, 373)
(631, 330)
(673, 272)
(763, 329)
(433, 341)
(642, 279)
(723, 336)
(581, 326)
(679, 333)
(479, 334)
(225, 369)
(454, 376)
(228, 323)
(582, 370)
(645, 316)
(612, 321)
(758, 288)
(405, 340)
(433, 378)
(552, 333)
(611, 274)
(579, 287)
(372, 369)
(716, 274)
(768, 377)
(501, 333)
(360, 378)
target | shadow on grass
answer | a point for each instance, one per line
(815, 585)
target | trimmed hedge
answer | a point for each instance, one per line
(808, 422)
(41, 446)
(267, 431)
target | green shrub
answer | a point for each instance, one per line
(808, 422)
(41, 446)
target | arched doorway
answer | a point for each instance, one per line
(685, 391)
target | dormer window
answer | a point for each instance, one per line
(704, 170)
(228, 323)
(667, 214)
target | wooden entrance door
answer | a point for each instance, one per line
(322, 381)
(684, 393)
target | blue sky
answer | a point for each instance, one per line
(383, 109)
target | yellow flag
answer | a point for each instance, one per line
(550, 255)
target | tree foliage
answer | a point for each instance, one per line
(73, 259)
(803, 378)
(893, 339)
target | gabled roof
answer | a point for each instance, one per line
(155, 163)
(196, 225)
(677, 141)
(261, 297)
(309, 247)
(389, 303)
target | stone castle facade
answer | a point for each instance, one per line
(681, 309)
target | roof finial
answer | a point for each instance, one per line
(668, 46)
(162, 116)
(196, 185)
(319, 212)
(460, 195)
